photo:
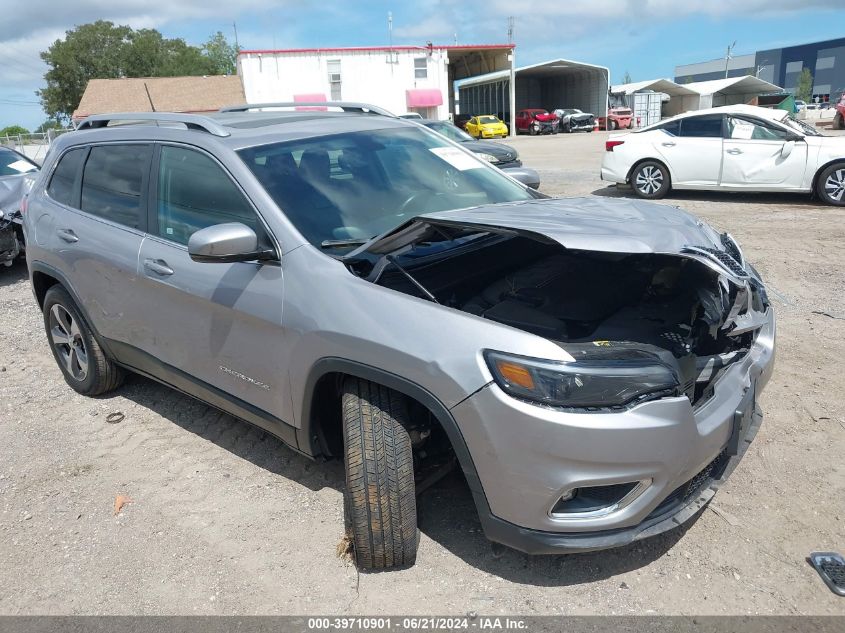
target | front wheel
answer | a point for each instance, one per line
(831, 185)
(838, 123)
(611, 125)
(380, 498)
(650, 180)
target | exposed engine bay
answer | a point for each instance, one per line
(698, 311)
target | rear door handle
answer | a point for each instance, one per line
(668, 144)
(735, 151)
(158, 266)
(67, 235)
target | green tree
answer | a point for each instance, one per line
(103, 50)
(13, 130)
(49, 124)
(222, 55)
(804, 89)
(627, 78)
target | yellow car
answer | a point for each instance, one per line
(486, 126)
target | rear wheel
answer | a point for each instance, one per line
(84, 365)
(611, 125)
(838, 123)
(380, 498)
(650, 180)
(831, 185)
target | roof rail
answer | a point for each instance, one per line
(346, 106)
(190, 121)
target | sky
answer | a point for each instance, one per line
(646, 38)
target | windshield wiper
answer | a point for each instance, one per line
(342, 243)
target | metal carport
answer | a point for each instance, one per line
(557, 83)
(719, 92)
(681, 98)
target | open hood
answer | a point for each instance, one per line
(589, 224)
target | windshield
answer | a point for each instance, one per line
(800, 126)
(344, 189)
(485, 120)
(450, 131)
(14, 164)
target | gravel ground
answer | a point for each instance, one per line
(223, 519)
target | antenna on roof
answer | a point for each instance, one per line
(511, 21)
(391, 54)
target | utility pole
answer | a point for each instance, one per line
(728, 57)
(512, 82)
(235, 27)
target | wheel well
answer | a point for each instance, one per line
(819, 171)
(41, 283)
(648, 160)
(326, 421)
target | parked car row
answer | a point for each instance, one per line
(531, 121)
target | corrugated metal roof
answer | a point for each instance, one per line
(733, 85)
(657, 85)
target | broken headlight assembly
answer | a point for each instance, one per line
(596, 381)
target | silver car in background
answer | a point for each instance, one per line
(367, 290)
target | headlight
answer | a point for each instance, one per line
(597, 380)
(488, 157)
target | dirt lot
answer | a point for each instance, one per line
(224, 519)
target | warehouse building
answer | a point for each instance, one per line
(398, 78)
(781, 66)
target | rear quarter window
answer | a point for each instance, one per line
(62, 186)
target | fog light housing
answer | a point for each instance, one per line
(595, 501)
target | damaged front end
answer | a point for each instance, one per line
(659, 306)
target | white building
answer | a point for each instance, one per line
(397, 78)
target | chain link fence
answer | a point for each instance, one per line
(34, 145)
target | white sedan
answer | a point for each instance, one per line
(731, 148)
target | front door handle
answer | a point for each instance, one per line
(67, 235)
(668, 144)
(734, 151)
(158, 266)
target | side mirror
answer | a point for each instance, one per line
(230, 242)
(787, 148)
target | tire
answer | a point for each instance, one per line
(650, 180)
(84, 365)
(380, 497)
(838, 123)
(611, 125)
(532, 130)
(569, 128)
(830, 185)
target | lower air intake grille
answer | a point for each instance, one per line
(687, 491)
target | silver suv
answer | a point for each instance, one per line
(365, 289)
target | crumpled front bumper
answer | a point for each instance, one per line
(526, 456)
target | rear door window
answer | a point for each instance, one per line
(62, 187)
(114, 181)
(672, 127)
(705, 126)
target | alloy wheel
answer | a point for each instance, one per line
(649, 179)
(834, 186)
(69, 343)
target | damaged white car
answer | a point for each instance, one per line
(730, 148)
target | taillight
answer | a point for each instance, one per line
(609, 145)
